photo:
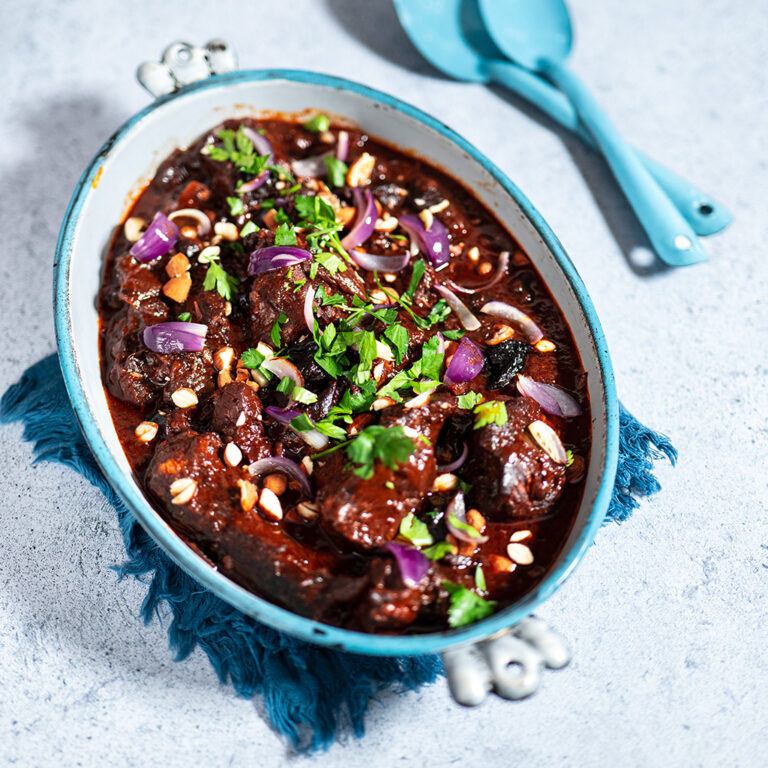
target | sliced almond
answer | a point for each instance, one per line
(224, 378)
(182, 490)
(226, 230)
(500, 564)
(384, 296)
(227, 308)
(378, 371)
(474, 253)
(389, 277)
(386, 223)
(232, 455)
(360, 171)
(270, 504)
(501, 333)
(520, 535)
(418, 401)
(184, 397)
(253, 385)
(476, 520)
(133, 228)
(249, 495)
(520, 553)
(276, 483)
(240, 419)
(545, 345)
(177, 288)
(308, 464)
(441, 206)
(381, 403)
(223, 358)
(427, 219)
(177, 265)
(548, 441)
(445, 482)
(146, 431)
(308, 510)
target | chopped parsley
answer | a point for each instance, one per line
(248, 228)
(466, 606)
(185, 317)
(274, 334)
(398, 336)
(439, 313)
(235, 205)
(302, 423)
(318, 123)
(419, 268)
(414, 531)
(252, 358)
(238, 149)
(431, 359)
(462, 525)
(216, 276)
(331, 262)
(470, 400)
(439, 550)
(388, 445)
(285, 234)
(454, 335)
(323, 234)
(299, 394)
(337, 171)
(480, 579)
(492, 412)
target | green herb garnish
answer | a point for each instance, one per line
(252, 358)
(337, 171)
(388, 445)
(414, 531)
(185, 317)
(480, 579)
(285, 234)
(470, 400)
(235, 205)
(274, 334)
(302, 423)
(238, 149)
(248, 228)
(216, 276)
(466, 606)
(398, 336)
(492, 412)
(318, 123)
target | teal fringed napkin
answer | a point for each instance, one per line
(307, 690)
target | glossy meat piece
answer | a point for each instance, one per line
(518, 479)
(367, 512)
(237, 417)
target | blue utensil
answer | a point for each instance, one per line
(451, 35)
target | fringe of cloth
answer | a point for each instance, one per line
(310, 693)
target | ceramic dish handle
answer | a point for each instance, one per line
(509, 664)
(183, 63)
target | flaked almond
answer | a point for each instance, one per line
(189, 232)
(240, 419)
(227, 308)
(249, 495)
(501, 333)
(520, 553)
(184, 397)
(378, 371)
(182, 490)
(241, 372)
(269, 219)
(445, 482)
(232, 455)
(308, 464)
(520, 535)
(270, 505)
(476, 520)
(548, 440)
(177, 288)
(545, 345)
(384, 296)
(276, 483)
(177, 265)
(427, 218)
(223, 358)
(224, 378)
(146, 431)
(484, 268)
(265, 350)
(381, 403)
(134, 228)
(386, 223)
(418, 401)
(500, 564)
(253, 385)
(346, 215)
(474, 253)
(226, 230)
(411, 432)
(437, 207)
(360, 171)
(308, 510)
(389, 277)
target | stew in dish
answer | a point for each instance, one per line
(339, 378)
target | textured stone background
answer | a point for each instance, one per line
(667, 615)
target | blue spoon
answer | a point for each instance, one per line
(538, 36)
(451, 35)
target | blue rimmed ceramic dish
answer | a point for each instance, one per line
(129, 159)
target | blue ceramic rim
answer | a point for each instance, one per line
(247, 602)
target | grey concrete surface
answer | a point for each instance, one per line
(667, 615)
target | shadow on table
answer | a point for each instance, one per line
(377, 27)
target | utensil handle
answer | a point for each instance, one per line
(705, 215)
(670, 234)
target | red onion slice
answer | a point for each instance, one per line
(260, 143)
(311, 437)
(465, 364)
(284, 369)
(175, 337)
(159, 237)
(342, 146)
(282, 415)
(365, 222)
(311, 166)
(203, 222)
(276, 257)
(468, 320)
(413, 563)
(456, 522)
(286, 466)
(374, 263)
(552, 399)
(456, 464)
(432, 242)
(501, 270)
(516, 317)
(309, 317)
(249, 186)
